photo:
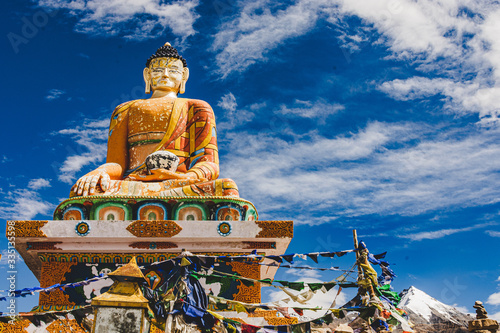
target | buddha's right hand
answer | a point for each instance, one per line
(87, 184)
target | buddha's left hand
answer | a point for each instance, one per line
(162, 174)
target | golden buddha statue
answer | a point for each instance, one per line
(161, 126)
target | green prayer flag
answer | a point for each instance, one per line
(283, 283)
(315, 286)
(247, 283)
(393, 296)
(296, 285)
(268, 281)
(329, 285)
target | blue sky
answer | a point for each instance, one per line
(369, 114)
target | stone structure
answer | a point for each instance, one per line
(482, 324)
(159, 192)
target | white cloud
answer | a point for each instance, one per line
(54, 94)
(460, 97)
(133, 19)
(23, 205)
(462, 309)
(319, 109)
(411, 29)
(415, 28)
(380, 169)
(6, 256)
(92, 136)
(494, 299)
(102, 123)
(422, 87)
(495, 316)
(234, 116)
(228, 102)
(259, 28)
(441, 233)
(493, 233)
(455, 42)
(304, 273)
(36, 184)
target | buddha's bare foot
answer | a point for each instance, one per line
(163, 174)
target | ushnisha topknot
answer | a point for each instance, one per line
(166, 51)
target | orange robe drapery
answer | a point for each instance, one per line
(190, 134)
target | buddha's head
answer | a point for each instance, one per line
(166, 71)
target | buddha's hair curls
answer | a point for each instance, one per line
(166, 51)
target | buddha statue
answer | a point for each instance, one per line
(162, 128)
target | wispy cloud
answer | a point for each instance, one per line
(380, 169)
(452, 45)
(92, 138)
(441, 233)
(234, 116)
(304, 273)
(319, 109)
(258, 28)
(54, 94)
(132, 19)
(23, 204)
(36, 184)
(493, 233)
(228, 102)
(454, 42)
(495, 316)
(5, 257)
(494, 299)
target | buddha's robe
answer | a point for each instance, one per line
(185, 127)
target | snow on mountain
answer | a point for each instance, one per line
(426, 311)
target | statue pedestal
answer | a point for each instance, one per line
(65, 251)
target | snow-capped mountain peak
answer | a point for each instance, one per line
(426, 310)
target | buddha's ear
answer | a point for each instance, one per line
(147, 79)
(185, 77)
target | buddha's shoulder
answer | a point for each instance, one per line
(198, 104)
(123, 108)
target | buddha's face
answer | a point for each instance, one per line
(166, 74)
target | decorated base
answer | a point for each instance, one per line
(156, 208)
(64, 251)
